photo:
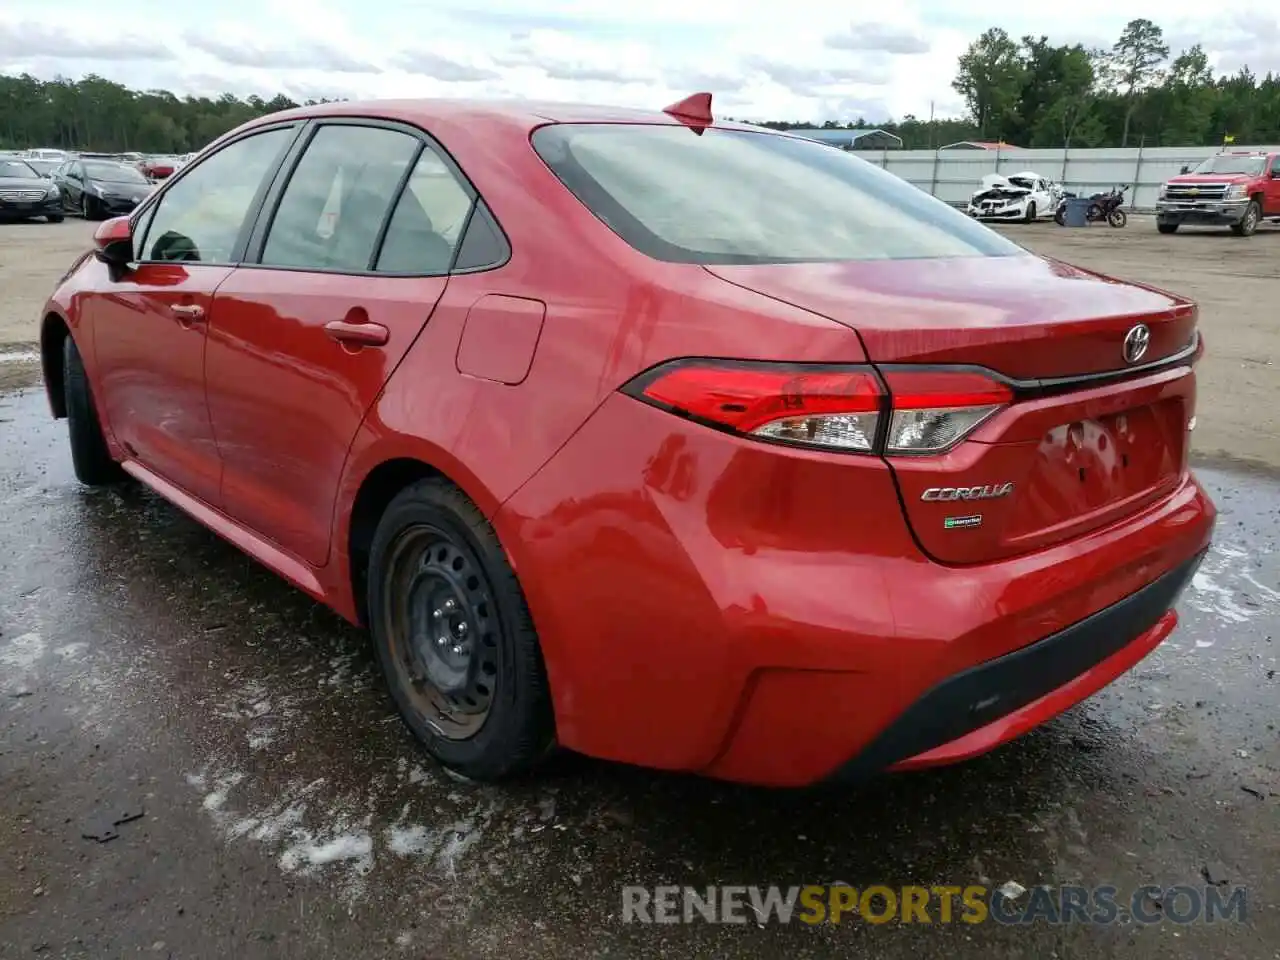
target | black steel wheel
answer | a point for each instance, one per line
(454, 635)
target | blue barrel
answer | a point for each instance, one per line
(1077, 212)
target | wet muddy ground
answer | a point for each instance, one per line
(273, 806)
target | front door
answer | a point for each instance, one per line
(301, 344)
(150, 328)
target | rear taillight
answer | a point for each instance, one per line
(933, 410)
(829, 407)
(832, 407)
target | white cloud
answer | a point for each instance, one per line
(804, 59)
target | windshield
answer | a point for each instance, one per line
(1252, 166)
(17, 168)
(43, 167)
(734, 196)
(113, 172)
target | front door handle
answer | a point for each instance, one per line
(187, 312)
(357, 334)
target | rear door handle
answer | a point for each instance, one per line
(357, 334)
(187, 312)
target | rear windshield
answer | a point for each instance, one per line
(733, 196)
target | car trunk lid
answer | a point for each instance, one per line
(1090, 436)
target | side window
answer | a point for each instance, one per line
(333, 208)
(140, 231)
(483, 245)
(199, 218)
(428, 220)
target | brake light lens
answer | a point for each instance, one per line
(933, 410)
(833, 408)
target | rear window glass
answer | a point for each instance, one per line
(731, 196)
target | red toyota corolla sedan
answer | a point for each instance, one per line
(676, 442)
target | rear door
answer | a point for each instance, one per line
(352, 253)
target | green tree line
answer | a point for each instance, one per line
(99, 114)
(1032, 93)
(1028, 92)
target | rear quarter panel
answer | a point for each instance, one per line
(610, 313)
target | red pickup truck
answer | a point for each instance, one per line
(1237, 189)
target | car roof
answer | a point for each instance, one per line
(526, 113)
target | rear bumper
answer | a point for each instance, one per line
(707, 605)
(989, 704)
(1205, 213)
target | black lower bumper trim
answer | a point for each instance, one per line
(984, 693)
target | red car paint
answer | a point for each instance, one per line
(705, 601)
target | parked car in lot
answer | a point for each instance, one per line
(100, 188)
(1237, 190)
(677, 442)
(158, 168)
(1021, 196)
(25, 194)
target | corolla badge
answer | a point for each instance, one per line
(1136, 342)
(990, 491)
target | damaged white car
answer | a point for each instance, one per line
(1021, 196)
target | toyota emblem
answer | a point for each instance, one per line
(1136, 342)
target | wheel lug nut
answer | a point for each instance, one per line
(457, 650)
(449, 604)
(437, 613)
(462, 627)
(441, 640)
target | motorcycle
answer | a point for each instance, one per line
(1102, 206)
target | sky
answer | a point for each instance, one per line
(785, 59)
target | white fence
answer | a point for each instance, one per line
(953, 175)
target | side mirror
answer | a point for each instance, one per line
(1185, 169)
(113, 241)
(1275, 174)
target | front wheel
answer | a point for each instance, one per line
(1248, 224)
(88, 209)
(54, 217)
(1031, 212)
(1117, 218)
(89, 455)
(1167, 227)
(1060, 216)
(454, 635)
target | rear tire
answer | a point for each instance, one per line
(454, 635)
(54, 217)
(1248, 224)
(89, 455)
(1167, 227)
